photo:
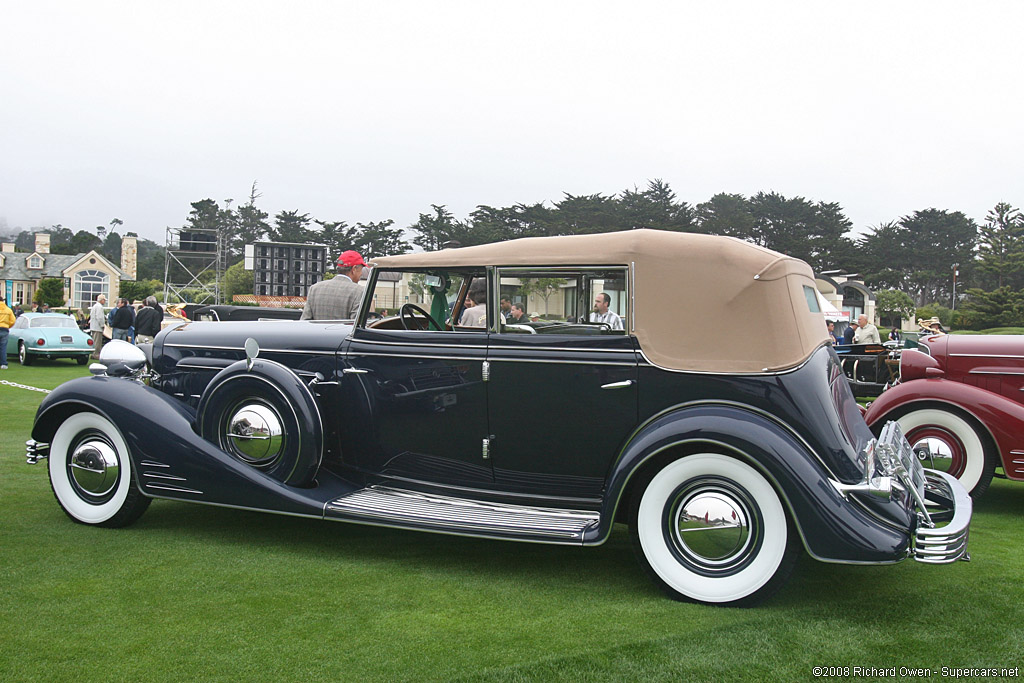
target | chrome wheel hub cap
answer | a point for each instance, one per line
(937, 453)
(94, 467)
(711, 527)
(254, 434)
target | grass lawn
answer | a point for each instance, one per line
(193, 592)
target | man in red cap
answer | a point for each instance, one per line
(339, 297)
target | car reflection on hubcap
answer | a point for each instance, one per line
(712, 528)
(255, 435)
(94, 467)
(938, 449)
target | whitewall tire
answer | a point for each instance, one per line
(91, 473)
(710, 528)
(954, 446)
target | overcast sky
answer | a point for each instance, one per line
(364, 111)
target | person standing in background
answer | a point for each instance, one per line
(7, 319)
(97, 317)
(867, 333)
(339, 297)
(147, 321)
(124, 318)
(836, 339)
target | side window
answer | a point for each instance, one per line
(564, 301)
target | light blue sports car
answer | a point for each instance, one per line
(48, 335)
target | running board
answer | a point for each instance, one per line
(414, 510)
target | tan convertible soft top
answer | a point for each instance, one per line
(700, 302)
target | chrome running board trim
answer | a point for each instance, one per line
(404, 508)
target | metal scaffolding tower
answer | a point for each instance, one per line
(193, 256)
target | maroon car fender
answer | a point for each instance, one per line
(1002, 418)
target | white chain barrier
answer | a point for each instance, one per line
(23, 386)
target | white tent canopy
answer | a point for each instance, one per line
(830, 311)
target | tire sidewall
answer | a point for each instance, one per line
(770, 550)
(73, 504)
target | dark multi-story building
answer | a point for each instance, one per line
(284, 268)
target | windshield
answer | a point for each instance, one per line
(53, 322)
(439, 293)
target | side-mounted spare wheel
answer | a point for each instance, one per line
(709, 528)
(265, 417)
(91, 473)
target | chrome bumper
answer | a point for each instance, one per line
(938, 499)
(36, 451)
(947, 498)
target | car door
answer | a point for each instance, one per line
(421, 400)
(562, 397)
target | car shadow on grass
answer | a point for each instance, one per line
(610, 567)
(607, 569)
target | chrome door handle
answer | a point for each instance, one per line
(354, 371)
(618, 385)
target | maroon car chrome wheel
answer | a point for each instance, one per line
(947, 441)
(939, 449)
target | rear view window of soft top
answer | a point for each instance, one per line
(812, 299)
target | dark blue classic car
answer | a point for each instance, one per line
(726, 458)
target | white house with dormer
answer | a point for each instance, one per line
(84, 275)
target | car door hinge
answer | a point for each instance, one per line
(485, 370)
(487, 448)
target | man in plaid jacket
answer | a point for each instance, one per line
(339, 297)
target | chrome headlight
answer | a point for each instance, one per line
(118, 359)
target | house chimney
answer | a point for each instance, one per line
(42, 243)
(8, 247)
(130, 256)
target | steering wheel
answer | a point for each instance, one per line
(409, 320)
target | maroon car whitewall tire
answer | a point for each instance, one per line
(970, 461)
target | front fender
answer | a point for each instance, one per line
(1002, 418)
(171, 459)
(114, 399)
(832, 527)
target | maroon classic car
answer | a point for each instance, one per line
(959, 403)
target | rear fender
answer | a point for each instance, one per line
(1001, 418)
(832, 527)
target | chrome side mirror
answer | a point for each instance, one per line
(252, 350)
